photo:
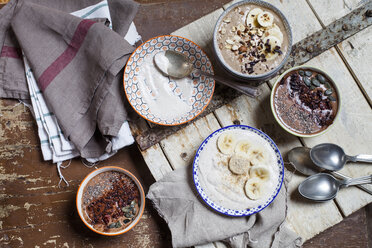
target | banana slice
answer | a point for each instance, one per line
(271, 42)
(257, 156)
(253, 188)
(265, 19)
(239, 165)
(260, 172)
(274, 31)
(251, 20)
(226, 143)
(242, 148)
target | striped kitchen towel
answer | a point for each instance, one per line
(54, 144)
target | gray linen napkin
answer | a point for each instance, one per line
(12, 77)
(192, 222)
(78, 66)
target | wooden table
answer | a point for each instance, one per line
(35, 212)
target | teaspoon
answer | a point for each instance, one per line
(178, 65)
(324, 187)
(332, 157)
(300, 159)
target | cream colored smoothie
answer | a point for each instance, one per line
(252, 39)
(239, 170)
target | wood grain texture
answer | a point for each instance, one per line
(35, 212)
(163, 17)
(180, 148)
(350, 233)
(201, 32)
(330, 11)
(356, 50)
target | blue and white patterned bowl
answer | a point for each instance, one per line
(202, 88)
(228, 211)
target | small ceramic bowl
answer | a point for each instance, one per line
(79, 197)
(253, 80)
(328, 78)
(163, 100)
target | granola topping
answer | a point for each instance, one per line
(251, 39)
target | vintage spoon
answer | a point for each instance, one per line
(299, 157)
(332, 157)
(324, 187)
(178, 65)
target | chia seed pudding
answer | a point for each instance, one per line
(252, 39)
(305, 101)
(110, 201)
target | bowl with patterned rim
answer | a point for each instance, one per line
(162, 99)
(206, 152)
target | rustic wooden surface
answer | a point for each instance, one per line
(311, 45)
(35, 212)
(305, 218)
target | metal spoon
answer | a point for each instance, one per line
(299, 157)
(324, 187)
(178, 65)
(332, 157)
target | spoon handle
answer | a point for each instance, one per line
(361, 158)
(245, 89)
(359, 180)
(342, 176)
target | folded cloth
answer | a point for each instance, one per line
(77, 66)
(12, 77)
(54, 145)
(191, 222)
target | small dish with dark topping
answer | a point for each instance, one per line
(305, 101)
(110, 201)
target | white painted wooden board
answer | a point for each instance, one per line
(156, 161)
(358, 53)
(352, 130)
(201, 31)
(330, 11)
(299, 15)
(180, 148)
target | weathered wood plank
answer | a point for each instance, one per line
(330, 36)
(50, 234)
(351, 232)
(302, 52)
(330, 11)
(351, 130)
(153, 156)
(156, 161)
(201, 31)
(357, 52)
(180, 147)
